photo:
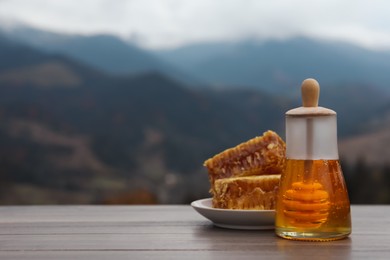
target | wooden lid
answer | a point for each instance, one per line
(310, 95)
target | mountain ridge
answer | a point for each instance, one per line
(104, 52)
(277, 66)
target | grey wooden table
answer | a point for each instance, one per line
(170, 232)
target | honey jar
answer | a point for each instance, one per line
(312, 202)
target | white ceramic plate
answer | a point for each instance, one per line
(236, 219)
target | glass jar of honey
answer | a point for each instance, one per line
(312, 201)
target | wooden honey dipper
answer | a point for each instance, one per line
(307, 203)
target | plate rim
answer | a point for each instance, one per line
(245, 227)
(235, 219)
(197, 204)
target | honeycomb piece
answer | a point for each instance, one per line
(247, 193)
(264, 155)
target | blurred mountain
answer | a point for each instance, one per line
(23, 64)
(371, 144)
(368, 147)
(272, 66)
(74, 134)
(356, 106)
(104, 52)
(280, 66)
(87, 137)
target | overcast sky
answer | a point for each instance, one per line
(170, 23)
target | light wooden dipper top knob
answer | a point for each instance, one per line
(310, 93)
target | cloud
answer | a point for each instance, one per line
(166, 23)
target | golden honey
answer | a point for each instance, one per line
(312, 201)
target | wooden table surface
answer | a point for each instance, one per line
(170, 232)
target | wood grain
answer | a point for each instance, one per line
(170, 232)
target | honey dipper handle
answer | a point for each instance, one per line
(310, 93)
